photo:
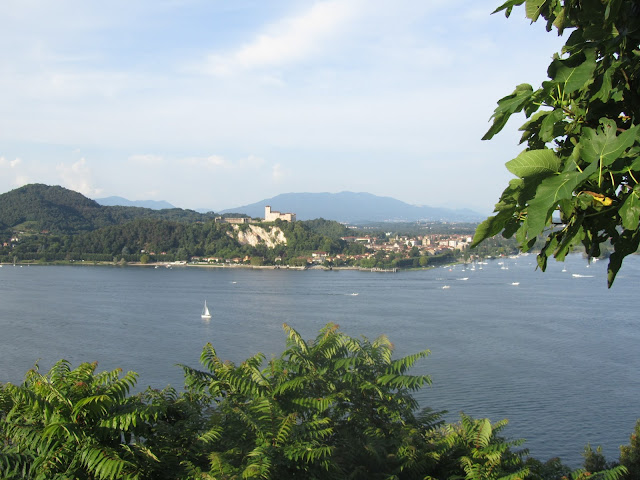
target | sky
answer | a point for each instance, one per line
(216, 104)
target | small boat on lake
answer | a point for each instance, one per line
(205, 311)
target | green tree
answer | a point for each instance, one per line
(298, 262)
(594, 460)
(552, 469)
(72, 423)
(335, 407)
(180, 433)
(182, 254)
(630, 454)
(256, 261)
(578, 179)
(474, 447)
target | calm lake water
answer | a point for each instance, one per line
(557, 354)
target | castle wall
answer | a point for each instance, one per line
(272, 216)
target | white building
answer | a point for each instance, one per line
(272, 216)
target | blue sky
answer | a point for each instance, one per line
(215, 104)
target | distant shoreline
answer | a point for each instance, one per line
(224, 266)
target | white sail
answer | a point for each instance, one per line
(205, 311)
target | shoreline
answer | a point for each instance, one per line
(223, 266)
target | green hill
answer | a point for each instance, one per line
(39, 207)
(43, 207)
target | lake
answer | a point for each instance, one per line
(556, 353)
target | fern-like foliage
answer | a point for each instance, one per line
(473, 450)
(614, 473)
(72, 423)
(332, 407)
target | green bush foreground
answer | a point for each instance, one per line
(333, 408)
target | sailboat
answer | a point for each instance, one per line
(205, 311)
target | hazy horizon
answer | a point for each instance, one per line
(262, 200)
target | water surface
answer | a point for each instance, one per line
(555, 353)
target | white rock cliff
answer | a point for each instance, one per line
(256, 235)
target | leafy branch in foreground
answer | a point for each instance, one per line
(336, 407)
(73, 423)
(578, 179)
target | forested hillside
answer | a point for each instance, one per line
(56, 224)
(57, 209)
(164, 240)
(39, 207)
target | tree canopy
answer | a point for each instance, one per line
(578, 178)
(60, 210)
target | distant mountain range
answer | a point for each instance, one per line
(39, 207)
(123, 202)
(346, 207)
(354, 207)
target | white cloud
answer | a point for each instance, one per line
(15, 170)
(14, 173)
(11, 164)
(278, 172)
(211, 162)
(147, 159)
(77, 177)
(217, 162)
(290, 40)
(53, 84)
(22, 180)
(75, 84)
(251, 161)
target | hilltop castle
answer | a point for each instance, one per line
(270, 216)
